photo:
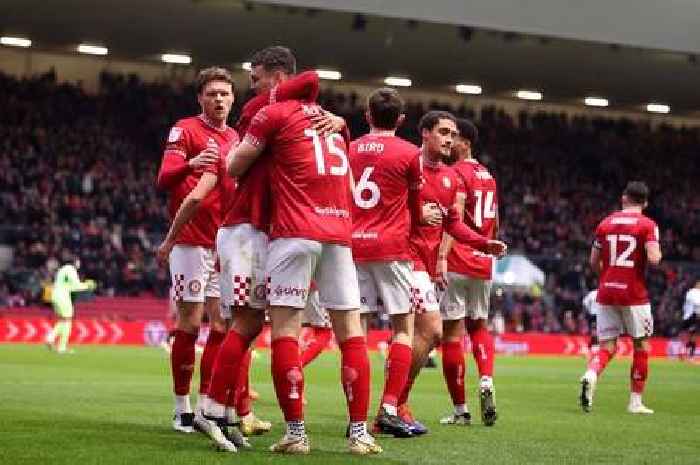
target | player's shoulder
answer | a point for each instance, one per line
(189, 122)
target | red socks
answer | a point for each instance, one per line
(243, 386)
(599, 361)
(206, 364)
(182, 361)
(639, 371)
(403, 398)
(288, 377)
(453, 369)
(356, 377)
(482, 348)
(226, 367)
(398, 365)
(320, 340)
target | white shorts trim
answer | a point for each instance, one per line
(314, 314)
(633, 320)
(242, 251)
(293, 262)
(388, 281)
(425, 296)
(465, 297)
(193, 275)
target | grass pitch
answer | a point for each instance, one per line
(112, 405)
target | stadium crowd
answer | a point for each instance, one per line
(77, 177)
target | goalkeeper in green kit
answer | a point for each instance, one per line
(66, 282)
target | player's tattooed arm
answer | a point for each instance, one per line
(185, 213)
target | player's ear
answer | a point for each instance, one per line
(368, 117)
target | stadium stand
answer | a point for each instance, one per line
(77, 176)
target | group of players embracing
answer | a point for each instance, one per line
(285, 216)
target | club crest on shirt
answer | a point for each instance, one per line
(195, 286)
(446, 182)
(175, 134)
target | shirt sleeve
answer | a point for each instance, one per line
(249, 111)
(303, 86)
(651, 233)
(263, 127)
(174, 167)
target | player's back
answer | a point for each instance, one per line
(385, 168)
(481, 197)
(480, 214)
(308, 174)
(621, 239)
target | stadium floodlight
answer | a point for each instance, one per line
(397, 81)
(92, 49)
(658, 108)
(246, 65)
(15, 41)
(471, 89)
(596, 102)
(329, 74)
(529, 95)
(175, 58)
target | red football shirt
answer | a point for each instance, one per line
(308, 174)
(621, 239)
(188, 138)
(385, 168)
(252, 203)
(224, 183)
(480, 213)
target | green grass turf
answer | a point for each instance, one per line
(108, 405)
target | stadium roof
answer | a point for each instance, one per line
(367, 48)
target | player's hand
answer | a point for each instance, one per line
(327, 123)
(497, 248)
(204, 158)
(163, 252)
(91, 284)
(432, 214)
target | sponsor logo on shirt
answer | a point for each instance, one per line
(616, 285)
(332, 211)
(365, 235)
(623, 220)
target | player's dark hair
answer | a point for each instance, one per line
(637, 192)
(432, 118)
(214, 73)
(468, 130)
(275, 58)
(385, 106)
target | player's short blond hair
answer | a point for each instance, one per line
(213, 73)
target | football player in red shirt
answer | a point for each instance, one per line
(625, 242)
(311, 234)
(441, 184)
(194, 143)
(388, 177)
(242, 242)
(468, 273)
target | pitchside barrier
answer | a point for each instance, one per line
(33, 330)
